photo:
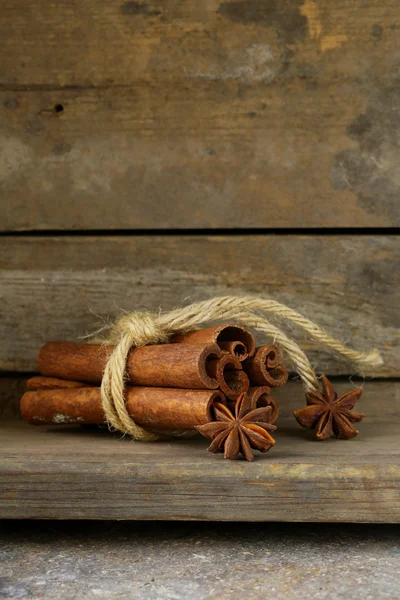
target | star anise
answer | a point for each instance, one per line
(329, 415)
(239, 432)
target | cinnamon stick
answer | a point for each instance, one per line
(151, 407)
(238, 349)
(259, 397)
(166, 365)
(232, 380)
(264, 367)
(221, 335)
(52, 383)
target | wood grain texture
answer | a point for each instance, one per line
(81, 473)
(124, 114)
(66, 287)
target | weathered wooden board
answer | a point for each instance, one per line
(67, 287)
(244, 113)
(117, 42)
(73, 473)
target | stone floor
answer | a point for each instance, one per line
(107, 560)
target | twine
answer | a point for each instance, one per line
(141, 328)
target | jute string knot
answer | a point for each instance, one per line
(141, 328)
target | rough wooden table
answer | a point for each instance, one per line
(78, 473)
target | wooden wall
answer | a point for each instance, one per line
(157, 152)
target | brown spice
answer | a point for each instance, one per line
(165, 365)
(155, 408)
(51, 383)
(223, 336)
(239, 432)
(329, 415)
(264, 367)
(227, 370)
(237, 349)
(259, 397)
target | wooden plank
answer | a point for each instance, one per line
(199, 115)
(115, 43)
(78, 473)
(67, 287)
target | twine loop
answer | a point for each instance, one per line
(141, 328)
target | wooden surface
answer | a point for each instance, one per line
(138, 115)
(64, 288)
(76, 473)
(124, 114)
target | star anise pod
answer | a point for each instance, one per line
(239, 432)
(329, 415)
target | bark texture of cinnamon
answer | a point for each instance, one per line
(228, 371)
(52, 383)
(167, 365)
(151, 407)
(264, 368)
(260, 397)
(230, 338)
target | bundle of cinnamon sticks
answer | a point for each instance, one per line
(175, 386)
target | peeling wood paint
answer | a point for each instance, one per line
(256, 64)
(310, 10)
(332, 42)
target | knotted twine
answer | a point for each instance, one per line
(141, 328)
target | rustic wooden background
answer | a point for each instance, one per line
(158, 152)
